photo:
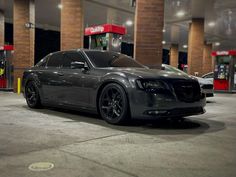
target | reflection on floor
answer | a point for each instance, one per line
(78, 144)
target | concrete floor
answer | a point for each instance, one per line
(81, 145)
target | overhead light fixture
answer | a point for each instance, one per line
(217, 43)
(211, 24)
(30, 25)
(60, 6)
(185, 46)
(180, 13)
(129, 23)
(163, 30)
(163, 42)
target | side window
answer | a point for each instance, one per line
(55, 60)
(70, 57)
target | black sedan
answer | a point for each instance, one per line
(112, 85)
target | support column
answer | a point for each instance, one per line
(195, 46)
(72, 27)
(207, 59)
(2, 29)
(174, 55)
(149, 22)
(24, 37)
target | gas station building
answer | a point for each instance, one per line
(148, 37)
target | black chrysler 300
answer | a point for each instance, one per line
(112, 85)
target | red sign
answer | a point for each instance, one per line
(7, 47)
(106, 28)
(223, 53)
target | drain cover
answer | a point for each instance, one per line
(41, 166)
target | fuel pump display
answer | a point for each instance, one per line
(6, 67)
(225, 70)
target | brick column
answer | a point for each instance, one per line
(174, 55)
(2, 28)
(72, 27)
(24, 11)
(207, 59)
(195, 46)
(149, 20)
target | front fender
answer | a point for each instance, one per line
(120, 78)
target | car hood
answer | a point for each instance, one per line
(150, 73)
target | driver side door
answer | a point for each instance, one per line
(74, 79)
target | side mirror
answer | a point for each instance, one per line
(79, 65)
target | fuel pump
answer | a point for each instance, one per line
(105, 37)
(6, 67)
(225, 70)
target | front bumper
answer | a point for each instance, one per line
(208, 92)
(145, 105)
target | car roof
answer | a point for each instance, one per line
(82, 49)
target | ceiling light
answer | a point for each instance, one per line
(163, 30)
(60, 6)
(185, 46)
(180, 13)
(129, 22)
(163, 42)
(217, 43)
(211, 24)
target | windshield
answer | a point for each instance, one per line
(102, 59)
(173, 69)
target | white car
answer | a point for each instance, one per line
(206, 85)
(209, 77)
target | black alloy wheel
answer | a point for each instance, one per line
(113, 104)
(32, 95)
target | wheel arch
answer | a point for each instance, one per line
(32, 78)
(103, 85)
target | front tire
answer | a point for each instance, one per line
(113, 104)
(32, 95)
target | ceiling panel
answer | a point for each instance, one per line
(222, 14)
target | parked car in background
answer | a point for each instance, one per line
(206, 85)
(209, 77)
(112, 85)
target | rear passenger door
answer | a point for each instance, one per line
(52, 85)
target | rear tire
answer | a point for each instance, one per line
(113, 104)
(32, 95)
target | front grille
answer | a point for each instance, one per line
(207, 86)
(187, 91)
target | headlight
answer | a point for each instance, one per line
(151, 85)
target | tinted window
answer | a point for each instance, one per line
(55, 60)
(43, 62)
(103, 59)
(70, 57)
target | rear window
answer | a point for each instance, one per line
(42, 63)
